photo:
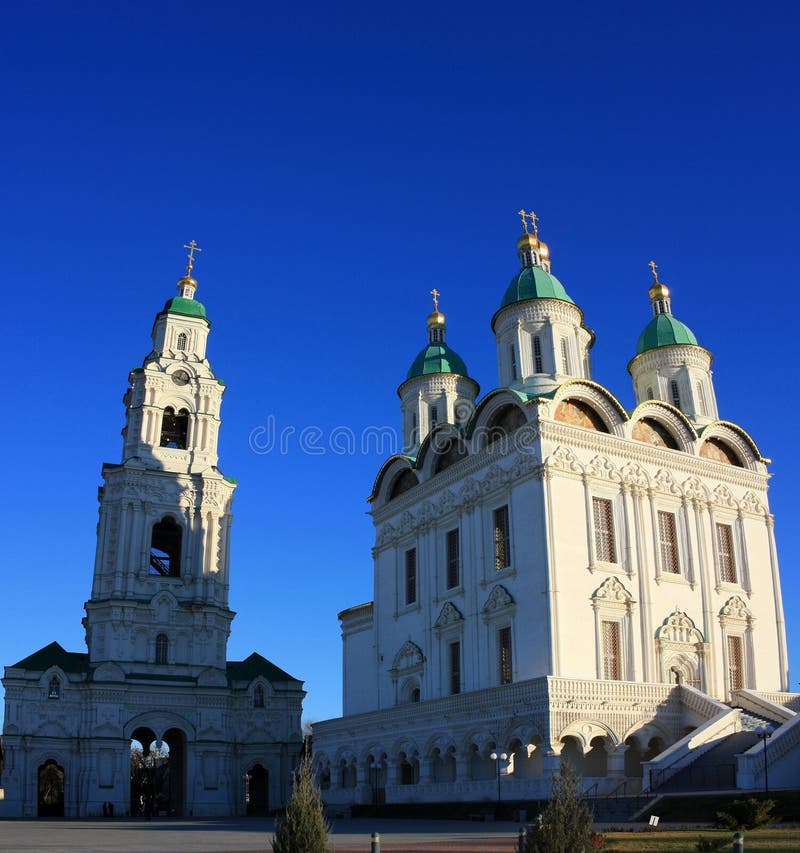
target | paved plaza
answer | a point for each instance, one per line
(246, 835)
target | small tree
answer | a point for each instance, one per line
(303, 829)
(566, 825)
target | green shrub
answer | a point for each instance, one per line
(745, 814)
(303, 829)
(566, 823)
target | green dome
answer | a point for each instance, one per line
(187, 307)
(437, 358)
(534, 283)
(663, 331)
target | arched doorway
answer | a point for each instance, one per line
(51, 789)
(157, 772)
(256, 793)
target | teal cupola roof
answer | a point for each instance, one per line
(534, 280)
(437, 357)
(664, 329)
(185, 303)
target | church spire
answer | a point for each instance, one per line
(659, 294)
(436, 321)
(532, 251)
(187, 285)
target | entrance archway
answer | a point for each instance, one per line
(157, 772)
(257, 791)
(51, 789)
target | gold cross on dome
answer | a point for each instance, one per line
(533, 218)
(192, 247)
(435, 294)
(654, 267)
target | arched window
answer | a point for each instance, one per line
(182, 341)
(452, 452)
(162, 648)
(165, 548)
(174, 428)
(504, 422)
(54, 690)
(402, 483)
(258, 696)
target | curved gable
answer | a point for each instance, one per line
(589, 405)
(729, 444)
(386, 479)
(662, 425)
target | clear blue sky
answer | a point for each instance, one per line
(336, 162)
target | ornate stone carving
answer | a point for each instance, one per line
(612, 591)
(499, 599)
(665, 482)
(470, 493)
(693, 489)
(409, 658)
(723, 497)
(678, 627)
(563, 459)
(735, 608)
(633, 475)
(495, 479)
(450, 615)
(750, 503)
(600, 466)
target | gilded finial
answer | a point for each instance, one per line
(654, 267)
(435, 294)
(524, 217)
(192, 247)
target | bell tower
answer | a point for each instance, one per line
(159, 602)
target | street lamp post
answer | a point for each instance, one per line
(765, 732)
(497, 757)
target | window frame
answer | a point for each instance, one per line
(501, 538)
(605, 546)
(454, 663)
(452, 552)
(505, 655)
(727, 563)
(410, 574)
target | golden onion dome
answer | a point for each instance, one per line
(435, 319)
(659, 291)
(528, 241)
(544, 250)
(187, 280)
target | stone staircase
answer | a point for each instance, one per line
(614, 810)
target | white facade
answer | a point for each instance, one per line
(560, 579)
(157, 626)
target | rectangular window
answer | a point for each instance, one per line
(502, 550)
(411, 575)
(537, 354)
(512, 351)
(668, 543)
(612, 669)
(504, 649)
(727, 559)
(453, 559)
(434, 416)
(564, 356)
(675, 394)
(735, 663)
(604, 541)
(455, 667)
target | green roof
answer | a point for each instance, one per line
(534, 283)
(437, 358)
(54, 655)
(255, 665)
(187, 307)
(664, 331)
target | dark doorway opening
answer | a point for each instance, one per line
(257, 791)
(51, 789)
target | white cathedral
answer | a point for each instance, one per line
(558, 579)
(216, 737)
